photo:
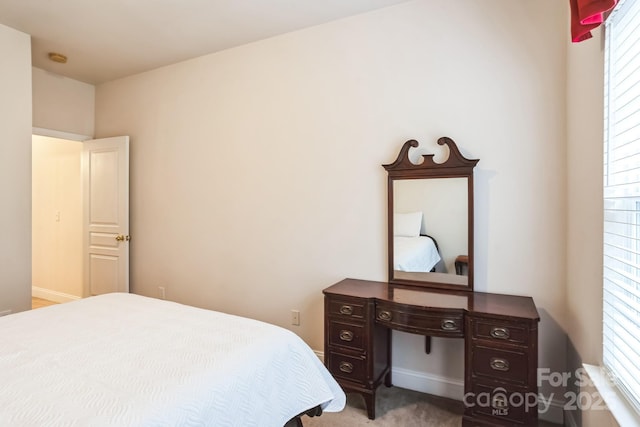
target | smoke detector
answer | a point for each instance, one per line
(57, 57)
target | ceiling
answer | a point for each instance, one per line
(108, 39)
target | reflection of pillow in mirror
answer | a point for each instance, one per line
(407, 224)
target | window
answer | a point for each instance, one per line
(621, 286)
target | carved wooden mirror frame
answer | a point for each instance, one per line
(456, 166)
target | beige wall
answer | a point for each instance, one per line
(57, 219)
(585, 90)
(256, 176)
(15, 170)
(62, 104)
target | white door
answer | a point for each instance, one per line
(105, 183)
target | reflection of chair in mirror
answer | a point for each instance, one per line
(462, 265)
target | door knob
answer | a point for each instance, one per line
(121, 238)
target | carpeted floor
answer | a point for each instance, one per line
(395, 407)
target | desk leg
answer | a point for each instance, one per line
(370, 403)
(427, 344)
(387, 377)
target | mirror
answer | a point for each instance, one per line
(430, 214)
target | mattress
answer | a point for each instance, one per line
(126, 360)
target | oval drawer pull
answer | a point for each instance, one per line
(346, 309)
(346, 367)
(449, 325)
(384, 315)
(498, 364)
(500, 402)
(346, 335)
(500, 333)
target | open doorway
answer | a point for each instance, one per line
(80, 215)
(57, 252)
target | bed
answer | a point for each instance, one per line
(415, 254)
(127, 360)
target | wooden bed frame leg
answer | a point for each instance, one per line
(297, 421)
(294, 422)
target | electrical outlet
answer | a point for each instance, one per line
(161, 293)
(295, 317)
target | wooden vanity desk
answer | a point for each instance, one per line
(500, 333)
(430, 208)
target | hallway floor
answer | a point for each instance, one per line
(39, 302)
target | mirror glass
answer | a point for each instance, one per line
(430, 229)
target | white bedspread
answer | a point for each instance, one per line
(127, 360)
(414, 254)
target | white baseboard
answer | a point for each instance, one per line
(50, 295)
(427, 383)
(454, 389)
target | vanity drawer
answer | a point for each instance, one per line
(513, 333)
(418, 321)
(347, 367)
(354, 309)
(498, 405)
(347, 335)
(506, 365)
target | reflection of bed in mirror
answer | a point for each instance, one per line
(415, 254)
(413, 251)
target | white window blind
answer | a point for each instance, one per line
(621, 302)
